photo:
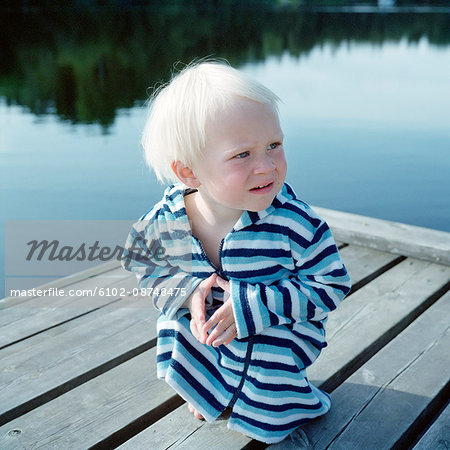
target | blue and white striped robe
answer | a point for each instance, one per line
(285, 275)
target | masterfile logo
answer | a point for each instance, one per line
(38, 252)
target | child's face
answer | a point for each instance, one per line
(243, 165)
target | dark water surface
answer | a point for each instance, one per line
(365, 104)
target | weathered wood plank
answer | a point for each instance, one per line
(362, 262)
(214, 435)
(379, 404)
(176, 431)
(66, 281)
(175, 427)
(373, 315)
(49, 363)
(438, 436)
(394, 237)
(93, 411)
(74, 282)
(40, 313)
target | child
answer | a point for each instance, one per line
(243, 272)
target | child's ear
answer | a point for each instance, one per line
(185, 174)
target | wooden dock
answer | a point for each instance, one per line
(79, 372)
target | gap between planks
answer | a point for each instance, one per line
(437, 435)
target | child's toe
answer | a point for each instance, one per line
(197, 415)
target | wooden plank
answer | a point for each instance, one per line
(21, 321)
(373, 315)
(49, 363)
(50, 299)
(66, 281)
(378, 406)
(364, 264)
(213, 436)
(394, 237)
(93, 411)
(177, 429)
(438, 436)
(175, 426)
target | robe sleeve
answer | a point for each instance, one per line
(162, 262)
(317, 286)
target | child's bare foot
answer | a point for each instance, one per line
(195, 412)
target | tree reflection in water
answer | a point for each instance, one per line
(85, 63)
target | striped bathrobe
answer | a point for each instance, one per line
(285, 275)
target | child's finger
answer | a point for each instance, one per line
(202, 335)
(194, 330)
(197, 308)
(224, 312)
(198, 332)
(208, 283)
(233, 336)
(197, 311)
(226, 337)
(221, 327)
(223, 284)
(213, 320)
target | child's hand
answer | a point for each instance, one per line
(196, 306)
(225, 330)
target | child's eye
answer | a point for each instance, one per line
(242, 155)
(274, 145)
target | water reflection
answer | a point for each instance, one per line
(85, 63)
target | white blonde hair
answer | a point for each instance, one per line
(175, 128)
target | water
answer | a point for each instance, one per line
(365, 107)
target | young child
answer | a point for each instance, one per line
(243, 272)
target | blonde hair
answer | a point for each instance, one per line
(175, 128)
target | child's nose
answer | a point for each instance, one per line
(265, 164)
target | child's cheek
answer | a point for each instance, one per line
(281, 163)
(235, 176)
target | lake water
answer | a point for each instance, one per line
(365, 108)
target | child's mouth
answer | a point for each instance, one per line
(263, 188)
